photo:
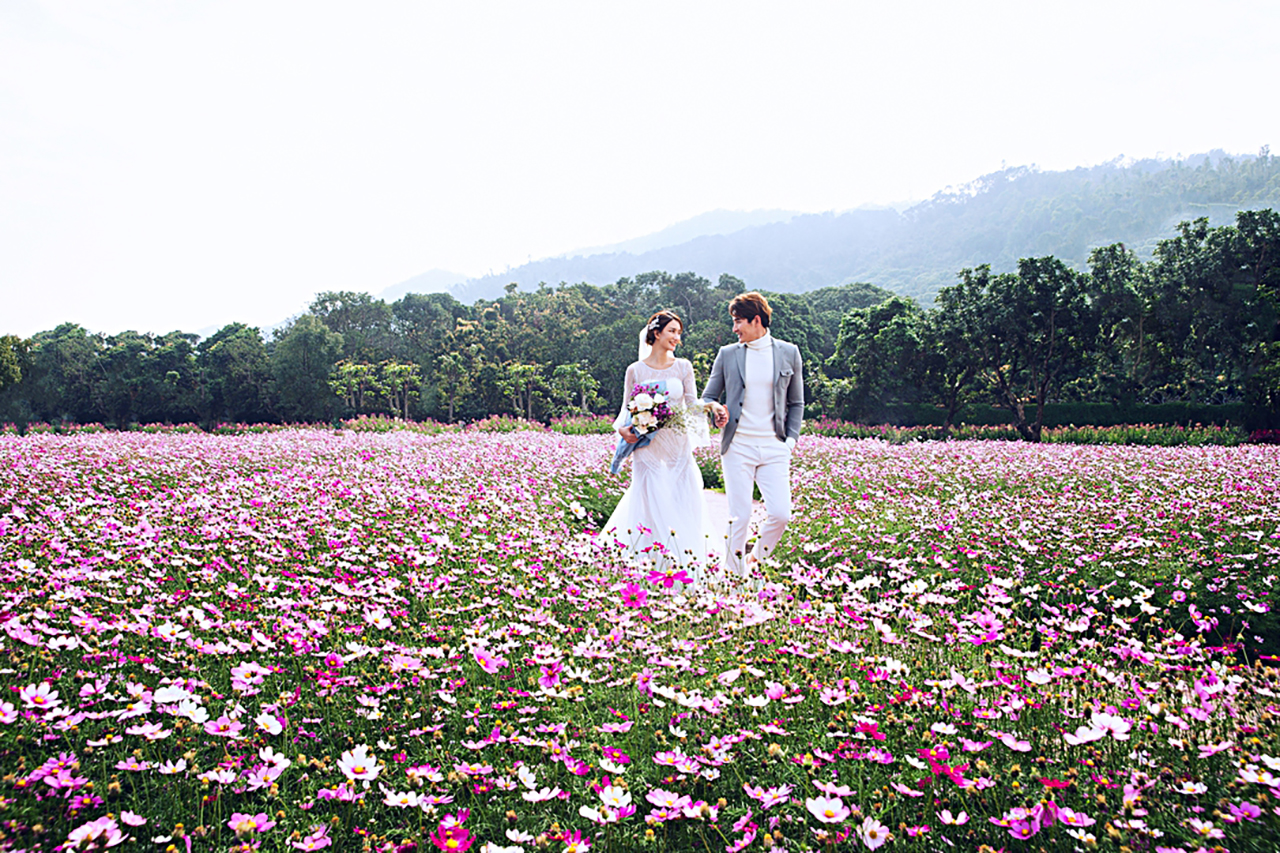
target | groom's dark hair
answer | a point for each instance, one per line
(745, 306)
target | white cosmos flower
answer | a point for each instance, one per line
(268, 723)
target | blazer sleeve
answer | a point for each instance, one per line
(795, 398)
(715, 382)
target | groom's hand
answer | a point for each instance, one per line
(721, 415)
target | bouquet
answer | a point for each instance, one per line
(649, 408)
(648, 411)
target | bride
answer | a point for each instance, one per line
(663, 515)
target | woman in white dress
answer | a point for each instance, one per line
(663, 515)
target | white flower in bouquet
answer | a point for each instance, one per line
(641, 402)
(643, 421)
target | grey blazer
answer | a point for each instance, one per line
(728, 377)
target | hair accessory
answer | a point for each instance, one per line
(653, 324)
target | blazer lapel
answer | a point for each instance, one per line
(740, 364)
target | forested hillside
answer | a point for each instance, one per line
(997, 219)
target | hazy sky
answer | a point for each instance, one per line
(180, 165)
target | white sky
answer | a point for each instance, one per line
(183, 165)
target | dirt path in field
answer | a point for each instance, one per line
(718, 509)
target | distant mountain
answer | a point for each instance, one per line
(702, 225)
(996, 219)
(431, 281)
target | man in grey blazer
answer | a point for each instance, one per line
(761, 380)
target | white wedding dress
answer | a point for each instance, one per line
(662, 516)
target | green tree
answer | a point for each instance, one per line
(356, 384)
(364, 322)
(523, 383)
(573, 387)
(399, 384)
(454, 374)
(302, 360)
(237, 374)
(948, 362)
(64, 365)
(1123, 356)
(423, 324)
(12, 353)
(880, 349)
(1026, 329)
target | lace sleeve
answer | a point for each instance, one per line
(628, 383)
(690, 383)
(695, 417)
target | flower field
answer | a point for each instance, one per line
(397, 641)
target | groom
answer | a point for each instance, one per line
(761, 380)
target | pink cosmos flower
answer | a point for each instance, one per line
(1207, 750)
(576, 843)
(453, 838)
(873, 833)
(246, 825)
(104, 831)
(1204, 828)
(831, 789)
(1074, 818)
(490, 663)
(1011, 740)
(359, 764)
(634, 596)
(224, 726)
(870, 729)
(666, 799)
(550, 675)
(827, 809)
(669, 577)
(617, 756)
(40, 697)
(317, 840)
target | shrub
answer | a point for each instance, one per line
(582, 425)
(505, 423)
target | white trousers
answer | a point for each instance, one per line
(769, 467)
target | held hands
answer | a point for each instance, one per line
(721, 415)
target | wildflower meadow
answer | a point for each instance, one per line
(395, 641)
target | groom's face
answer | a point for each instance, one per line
(747, 331)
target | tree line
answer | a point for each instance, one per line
(537, 354)
(1198, 321)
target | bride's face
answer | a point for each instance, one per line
(669, 338)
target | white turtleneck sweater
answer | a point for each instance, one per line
(756, 424)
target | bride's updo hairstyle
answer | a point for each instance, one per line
(658, 322)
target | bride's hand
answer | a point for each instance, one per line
(628, 435)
